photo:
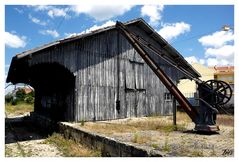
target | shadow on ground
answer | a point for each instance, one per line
(22, 129)
(201, 132)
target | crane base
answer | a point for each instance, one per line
(206, 128)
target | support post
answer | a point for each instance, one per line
(118, 74)
(174, 111)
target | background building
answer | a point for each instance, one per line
(189, 87)
(226, 74)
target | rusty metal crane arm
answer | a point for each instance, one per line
(193, 114)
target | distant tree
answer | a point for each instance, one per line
(29, 99)
(20, 96)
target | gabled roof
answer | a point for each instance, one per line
(72, 38)
(175, 56)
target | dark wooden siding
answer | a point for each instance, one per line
(97, 76)
(141, 93)
(94, 62)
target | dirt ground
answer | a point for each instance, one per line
(24, 139)
(31, 148)
(151, 133)
(156, 133)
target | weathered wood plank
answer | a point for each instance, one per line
(139, 76)
(141, 105)
(94, 62)
(130, 75)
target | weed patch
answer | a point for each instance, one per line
(154, 145)
(70, 148)
(140, 139)
(19, 109)
(166, 146)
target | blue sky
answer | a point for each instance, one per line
(194, 30)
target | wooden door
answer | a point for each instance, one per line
(134, 89)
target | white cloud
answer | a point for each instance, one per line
(191, 59)
(36, 21)
(14, 41)
(40, 7)
(19, 10)
(154, 12)
(52, 11)
(226, 51)
(202, 61)
(58, 12)
(71, 34)
(171, 31)
(222, 56)
(95, 27)
(52, 33)
(217, 39)
(98, 12)
(215, 59)
(212, 62)
(218, 47)
(101, 12)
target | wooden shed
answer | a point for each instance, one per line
(98, 76)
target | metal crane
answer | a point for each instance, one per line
(212, 94)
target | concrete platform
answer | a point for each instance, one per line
(108, 146)
(146, 136)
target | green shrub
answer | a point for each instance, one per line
(29, 99)
(82, 122)
(20, 94)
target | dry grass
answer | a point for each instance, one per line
(163, 136)
(197, 153)
(19, 109)
(140, 139)
(163, 124)
(222, 119)
(70, 148)
(134, 125)
(226, 120)
(109, 128)
(182, 117)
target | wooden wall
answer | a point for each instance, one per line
(106, 69)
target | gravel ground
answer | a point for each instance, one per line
(31, 148)
(178, 143)
(31, 142)
(173, 143)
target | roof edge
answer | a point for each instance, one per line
(69, 39)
